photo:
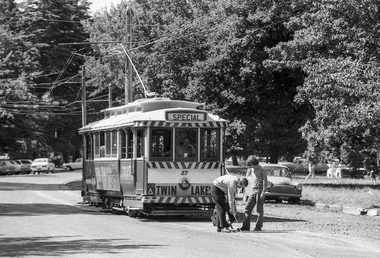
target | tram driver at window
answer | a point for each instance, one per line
(185, 149)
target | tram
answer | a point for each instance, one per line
(153, 156)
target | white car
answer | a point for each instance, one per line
(42, 165)
(73, 165)
(24, 166)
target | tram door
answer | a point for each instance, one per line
(131, 156)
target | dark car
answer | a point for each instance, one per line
(7, 167)
(280, 185)
(343, 171)
(301, 166)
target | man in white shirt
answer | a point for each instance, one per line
(223, 192)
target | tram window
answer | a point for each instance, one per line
(186, 144)
(130, 144)
(111, 144)
(210, 144)
(123, 139)
(140, 143)
(102, 147)
(108, 144)
(161, 143)
(97, 145)
(114, 144)
(89, 147)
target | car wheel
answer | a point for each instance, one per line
(295, 200)
(68, 168)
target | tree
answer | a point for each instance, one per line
(214, 53)
(336, 45)
(211, 52)
(48, 71)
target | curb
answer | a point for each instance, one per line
(349, 210)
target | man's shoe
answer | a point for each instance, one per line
(218, 229)
(257, 229)
(225, 230)
(244, 229)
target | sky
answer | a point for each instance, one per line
(98, 4)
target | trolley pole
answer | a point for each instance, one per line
(128, 65)
(84, 122)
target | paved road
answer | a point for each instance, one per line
(39, 220)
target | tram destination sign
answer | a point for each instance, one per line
(186, 116)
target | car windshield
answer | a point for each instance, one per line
(25, 162)
(277, 171)
(18, 162)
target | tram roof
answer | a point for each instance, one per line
(151, 112)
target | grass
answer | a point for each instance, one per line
(361, 193)
(360, 197)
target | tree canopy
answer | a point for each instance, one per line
(34, 66)
(292, 77)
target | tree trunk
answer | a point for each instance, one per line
(273, 152)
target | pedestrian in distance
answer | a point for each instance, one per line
(257, 196)
(373, 175)
(311, 170)
(223, 192)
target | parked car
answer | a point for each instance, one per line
(23, 166)
(7, 167)
(280, 185)
(42, 165)
(301, 166)
(73, 165)
(343, 171)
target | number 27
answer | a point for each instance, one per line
(184, 172)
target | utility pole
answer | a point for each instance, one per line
(84, 111)
(128, 64)
(109, 95)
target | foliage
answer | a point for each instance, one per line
(269, 67)
(336, 44)
(209, 51)
(37, 71)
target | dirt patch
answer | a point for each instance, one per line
(285, 217)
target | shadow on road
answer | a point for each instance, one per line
(6, 186)
(38, 209)
(58, 245)
(170, 219)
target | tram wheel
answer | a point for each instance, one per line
(132, 214)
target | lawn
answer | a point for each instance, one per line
(361, 193)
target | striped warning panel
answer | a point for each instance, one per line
(183, 165)
(178, 199)
(177, 124)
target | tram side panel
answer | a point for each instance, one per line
(127, 177)
(107, 175)
(89, 191)
(132, 177)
